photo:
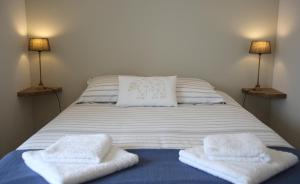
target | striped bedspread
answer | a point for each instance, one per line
(154, 127)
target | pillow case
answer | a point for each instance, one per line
(209, 97)
(104, 89)
(196, 91)
(147, 91)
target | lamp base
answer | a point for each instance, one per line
(41, 86)
(257, 88)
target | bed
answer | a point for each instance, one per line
(155, 134)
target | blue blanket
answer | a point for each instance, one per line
(155, 167)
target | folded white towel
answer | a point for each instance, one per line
(79, 149)
(238, 172)
(235, 147)
(67, 173)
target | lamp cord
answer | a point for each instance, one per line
(244, 100)
(58, 101)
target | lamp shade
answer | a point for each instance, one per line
(260, 47)
(38, 44)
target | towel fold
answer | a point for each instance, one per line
(68, 173)
(79, 149)
(236, 147)
(238, 172)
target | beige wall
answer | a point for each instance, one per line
(16, 114)
(208, 39)
(285, 114)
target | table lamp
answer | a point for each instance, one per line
(260, 47)
(39, 45)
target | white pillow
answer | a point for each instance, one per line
(200, 97)
(108, 79)
(196, 91)
(104, 89)
(147, 91)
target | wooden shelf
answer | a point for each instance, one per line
(38, 90)
(264, 92)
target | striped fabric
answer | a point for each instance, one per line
(189, 90)
(154, 127)
(101, 89)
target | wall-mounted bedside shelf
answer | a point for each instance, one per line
(39, 91)
(264, 92)
(269, 93)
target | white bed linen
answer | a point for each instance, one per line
(154, 127)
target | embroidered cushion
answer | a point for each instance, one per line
(147, 91)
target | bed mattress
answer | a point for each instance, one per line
(154, 127)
